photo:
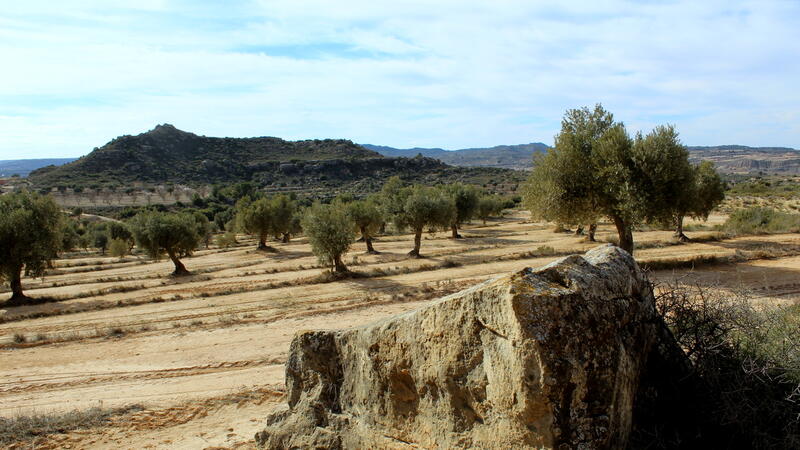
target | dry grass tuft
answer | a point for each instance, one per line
(26, 428)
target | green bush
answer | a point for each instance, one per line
(118, 247)
(759, 220)
(226, 240)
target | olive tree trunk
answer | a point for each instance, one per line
(454, 229)
(679, 229)
(17, 297)
(417, 243)
(367, 240)
(180, 269)
(592, 231)
(625, 234)
(285, 238)
(579, 230)
(338, 265)
(262, 242)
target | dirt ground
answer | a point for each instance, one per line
(204, 355)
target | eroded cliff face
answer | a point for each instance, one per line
(542, 358)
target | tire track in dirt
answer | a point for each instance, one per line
(38, 384)
(319, 307)
(191, 420)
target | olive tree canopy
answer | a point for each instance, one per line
(256, 218)
(488, 206)
(423, 207)
(596, 169)
(367, 218)
(465, 199)
(30, 238)
(330, 232)
(707, 192)
(175, 234)
(283, 211)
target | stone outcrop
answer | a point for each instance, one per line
(541, 358)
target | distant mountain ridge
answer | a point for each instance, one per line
(503, 156)
(727, 158)
(740, 147)
(23, 167)
(741, 159)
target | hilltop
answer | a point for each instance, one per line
(167, 155)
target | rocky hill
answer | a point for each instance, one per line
(166, 155)
(504, 156)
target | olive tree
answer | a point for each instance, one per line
(175, 234)
(283, 211)
(617, 192)
(119, 230)
(367, 218)
(563, 186)
(424, 207)
(596, 169)
(70, 238)
(667, 177)
(99, 236)
(488, 206)
(256, 218)
(205, 228)
(391, 199)
(30, 238)
(330, 232)
(465, 200)
(707, 192)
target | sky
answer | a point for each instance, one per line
(449, 74)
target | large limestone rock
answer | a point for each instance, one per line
(541, 358)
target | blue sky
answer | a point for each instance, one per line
(449, 74)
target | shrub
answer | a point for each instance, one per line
(758, 220)
(118, 248)
(545, 250)
(745, 375)
(227, 239)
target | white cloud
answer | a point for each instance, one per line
(447, 74)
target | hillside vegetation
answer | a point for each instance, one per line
(166, 155)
